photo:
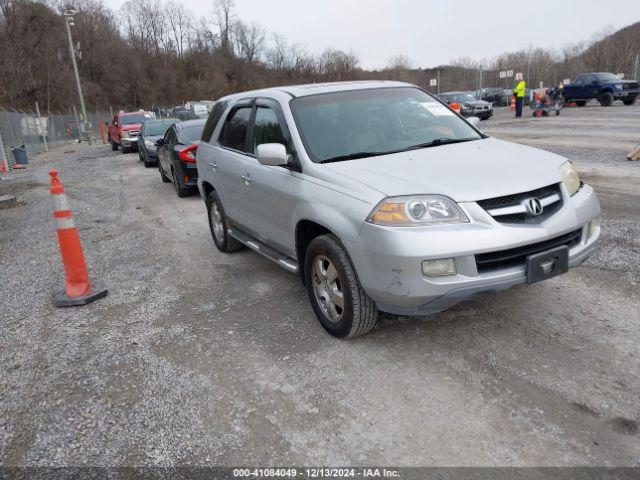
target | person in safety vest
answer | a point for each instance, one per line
(518, 92)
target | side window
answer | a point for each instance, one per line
(169, 136)
(234, 132)
(266, 128)
(212, 121)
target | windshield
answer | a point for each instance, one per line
(157, 127)
(380, 121)
(462, 97)
(133, 119)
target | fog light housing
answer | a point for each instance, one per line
(439, 268)
(594, 227)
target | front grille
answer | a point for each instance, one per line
(629, 86)
(516, 199)
(517, 256)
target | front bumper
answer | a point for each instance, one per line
(389, 260)
(625, 94)
(129, 142)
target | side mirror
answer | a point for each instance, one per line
(272, 154)
(159, 142)
(475, 121)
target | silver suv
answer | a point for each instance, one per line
(383, 198)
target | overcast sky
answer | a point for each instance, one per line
(430, 33)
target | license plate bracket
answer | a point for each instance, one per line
(543, 265)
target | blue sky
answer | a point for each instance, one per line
(428, 32)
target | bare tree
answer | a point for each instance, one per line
(250, 41)
(225, 19)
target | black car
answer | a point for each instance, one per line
(151, 131)
(493, 95)
(177, 155)
(470, 106)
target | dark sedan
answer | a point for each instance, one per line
(177, 155)
(493, 95)
(152, 131)
(470, 106)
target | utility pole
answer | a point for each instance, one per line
(438, 81)
(636, 68)
(68, 21)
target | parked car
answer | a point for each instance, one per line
(378, 207)
(152, 131)
(470, 106)
(605, 87)
(177, 155)
(493, 95)
(125, 128)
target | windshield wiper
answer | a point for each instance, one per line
(353, 156)
(437, 142)
(432, 143)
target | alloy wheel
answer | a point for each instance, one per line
(327, 288)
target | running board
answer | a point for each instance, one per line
(263, 249)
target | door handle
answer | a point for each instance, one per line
(247, 179)
(213, 165)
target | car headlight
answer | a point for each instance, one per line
(570, 178)
(619, 86)
(418, 210)
(149, 144)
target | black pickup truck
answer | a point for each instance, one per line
(604, 87)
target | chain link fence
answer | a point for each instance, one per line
(36, 134)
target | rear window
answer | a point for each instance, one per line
(193, 132)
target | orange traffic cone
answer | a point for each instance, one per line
(77, 287)
(512, 106)
(3, 167)
(455, 107)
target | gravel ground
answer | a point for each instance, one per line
(200, 358)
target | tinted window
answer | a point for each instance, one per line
(266, 128)
(157, 127)
(170, 136)
(234, 132)
(607, 77)
(375, 121)
(214, 118)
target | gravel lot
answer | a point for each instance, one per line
(200, 358)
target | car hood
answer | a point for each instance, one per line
(464, 172)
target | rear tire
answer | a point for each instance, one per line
(336, 295)
(218, 225)
(180, 190)
(163, 176)
(605, 99)
(581, 103)
(125, 150)
(629, 101)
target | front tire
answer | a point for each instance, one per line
(629, 101)
(605, 99)
(218, 226)
(336, 295)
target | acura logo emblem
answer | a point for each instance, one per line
(533, 206)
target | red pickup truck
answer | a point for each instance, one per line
(125, 128)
